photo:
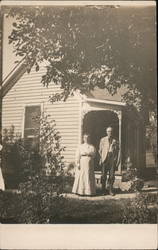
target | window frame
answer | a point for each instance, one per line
(41, 105)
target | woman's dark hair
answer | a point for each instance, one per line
(86, 134)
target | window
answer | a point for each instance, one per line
(31, 123)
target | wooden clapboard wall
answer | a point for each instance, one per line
(29, 90)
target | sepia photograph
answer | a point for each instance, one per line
(78, 120)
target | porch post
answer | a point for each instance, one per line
(84, 109)
(137, 145)
(119, 114)
(81, 123)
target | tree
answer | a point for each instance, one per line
(88, 47)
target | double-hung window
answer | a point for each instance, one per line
(31, 123)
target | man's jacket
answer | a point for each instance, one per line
(106, 148)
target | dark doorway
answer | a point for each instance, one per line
(95, 124)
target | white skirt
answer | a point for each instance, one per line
(84, 183)
(2, 186)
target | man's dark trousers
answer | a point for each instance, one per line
(108, 167)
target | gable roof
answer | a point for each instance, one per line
(13, 77)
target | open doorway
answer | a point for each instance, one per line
(95, 124)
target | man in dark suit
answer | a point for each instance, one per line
(108, 151)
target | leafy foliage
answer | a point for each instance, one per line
(138, 212)
(151, 135)
(50, 148)
(88, 47)
(30, 208)
(41, 168)
(46, 171)
(13, 209)
(32, 158)
(15, 158)
(130, 179)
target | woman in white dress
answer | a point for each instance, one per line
(84, 183)
(2, 187)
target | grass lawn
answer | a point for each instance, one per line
(16, 209)
(89, 211)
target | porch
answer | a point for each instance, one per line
(128, 129)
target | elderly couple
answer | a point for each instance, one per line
(84, 183)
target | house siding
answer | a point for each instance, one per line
(29, 91)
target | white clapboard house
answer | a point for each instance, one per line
(24, 96)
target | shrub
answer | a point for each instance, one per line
(69, 170)
(10, 207)
(45, 182)
(30, 208)
(42, 167)
(69, 175)
(137, 211)
(15, 158)
(50, 148)
(130, 179)
(42, 157)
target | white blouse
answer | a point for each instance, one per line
(84, 150)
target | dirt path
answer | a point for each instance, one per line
(107, 197)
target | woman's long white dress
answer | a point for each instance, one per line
(2, 187)
(84, 183)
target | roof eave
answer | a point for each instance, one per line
(104, 101)
(13, 78)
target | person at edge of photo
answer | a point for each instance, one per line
(2, 185)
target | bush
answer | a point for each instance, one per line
(50, 148)
(15, 158)
(130, 179)
(68, 184)
(137, 211)
(30, 208)
(69, 170)
(42, 169)
(45, 183)
(42, 157)
(10, 204)
(69, 175)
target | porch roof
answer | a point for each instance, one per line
(118, 103)
(103, 94)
